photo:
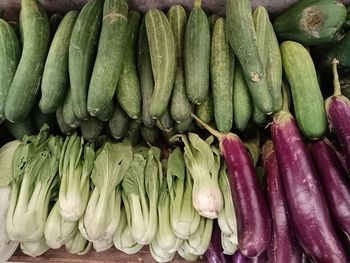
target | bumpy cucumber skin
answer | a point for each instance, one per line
(205, 111)
(180, 106)
(109, 58)
(242, 37)
(221, 75)
(197, 56)
(68, 114)
(91, 128)
(82, 51)
(163, 59)
(55, 80)
(118, 124)
(306, 94)
(242, 103)
(35, 34)
(144, 69)
(107, 112)
(10, 53)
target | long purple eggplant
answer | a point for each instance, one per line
(283, 247)
(338, 114)
(306, 204)
(238, 257)
(253, 219)
(214, 252)
(334, 181)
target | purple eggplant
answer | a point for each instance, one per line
(238, 257)
(306, 204)
(334, 181)
(283, 247)
(338, 114)
(214, 252)
(253, 219)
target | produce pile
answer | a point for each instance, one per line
(116, 115)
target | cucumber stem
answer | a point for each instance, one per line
(197, 3)
(214, 132)
(336, 84)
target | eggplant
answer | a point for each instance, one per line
(238, 257)
(253, 219)
(306, 205)
(338, 114)
(334, 180)
(214, 252)
(283, 247)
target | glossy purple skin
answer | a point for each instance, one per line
(334, 180)
(338, 114)
(253, 219)
(283, 247)
(214, 252)
(306, 204)
(238, 257)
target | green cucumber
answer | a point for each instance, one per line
(118, 124)
(109, 58)
(258, 117)
(133, 132)
(144, 69)
(64, 127)
(55, 21)
(311, 22)
(150, 134)
(107, 113)
(197, 54)
(82, 51)
(186, 126)
(10, 53)
(274, 69)
(180, 106)
(91, 128)
(242, 104)
(21, 128)
(55, 82)
(205, 111)
(221, 75)
(163, 59)
(242, 37)
(308, 102)
(68, 114)
(165, 122)
(128, 92)
(41, 119)
(35, 28)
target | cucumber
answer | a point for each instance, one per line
(180, 106)
(55, 80)
(274, 69)
(258, 117)
(109, 58)
(150, 134)
(165, 122)
(64, 128)
(144, 69)
(197, 54)
(10, 53)
(41, 119)
(242, 104)
(107, 113)
(91, 128)
(55, 21)
(242, 37)
(205, 111)
(221, 76)
(162, 45)
(186, 126)
(15, 26)
(118, 124)
(21, 128)
(133, 132)
(311, 22)
(35, 28)
(68, 114)
(82, 51)
(306, 95)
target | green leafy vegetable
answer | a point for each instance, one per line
(6, 154)
(78, 245)
(35, 248)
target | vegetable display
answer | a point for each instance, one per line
(178, 132)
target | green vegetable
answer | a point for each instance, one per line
(35, 248)
(100, 221)
(64, 127)
(184, 253)
(205, 111)
(119, 123)
(78, 245)
(150, 134)
(68, 113)
(6, 154)
(165, 122)
(76, 164)
(91, 128)
(21, 128)
(229, 243)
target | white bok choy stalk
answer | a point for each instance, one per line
(185, 254)
(35, 165)
(76, 164)
(227, 217)
(58, 231)
(184, 218)
(203, 167)
(141, 185)
(35, 248)
(7, 247)
(99, 221)
(78, 245)
(199, 242)
(123, 239)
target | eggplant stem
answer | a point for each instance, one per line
(336, 84)
(214, 132)
(285, 104)
(197, 3)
